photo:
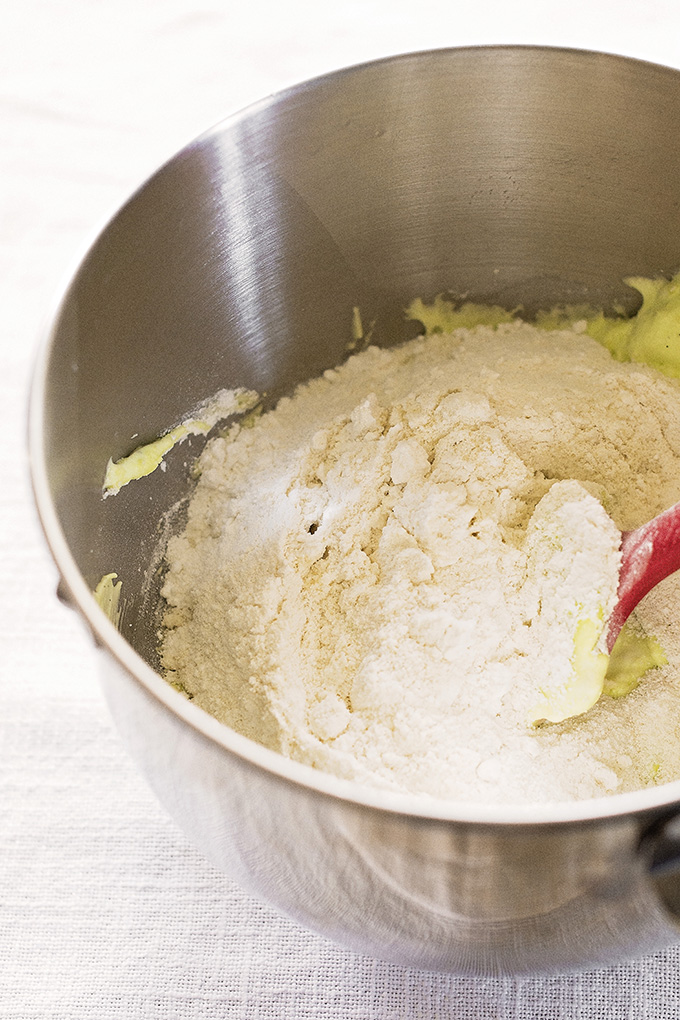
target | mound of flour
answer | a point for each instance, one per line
(362, 581)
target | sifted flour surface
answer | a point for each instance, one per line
(379, 576)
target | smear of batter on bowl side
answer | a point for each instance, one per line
(146, 458)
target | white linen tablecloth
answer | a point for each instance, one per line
(105, 910)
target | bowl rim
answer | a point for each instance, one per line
(646, 802)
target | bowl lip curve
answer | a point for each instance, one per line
(642, 804)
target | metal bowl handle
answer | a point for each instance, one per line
(660, 846)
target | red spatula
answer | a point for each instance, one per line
(650, 553)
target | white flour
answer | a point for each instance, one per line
(362, 583)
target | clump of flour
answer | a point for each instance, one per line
(370, 581)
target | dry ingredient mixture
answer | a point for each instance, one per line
(394, 574)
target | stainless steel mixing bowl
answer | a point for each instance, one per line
(516, 175)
